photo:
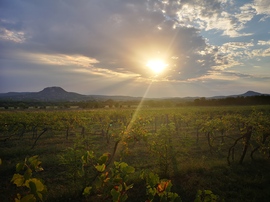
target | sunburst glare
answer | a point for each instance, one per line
(157, 65)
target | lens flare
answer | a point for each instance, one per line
(156, 65)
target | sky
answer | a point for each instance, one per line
(208, 47)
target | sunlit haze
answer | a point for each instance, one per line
(183, 48)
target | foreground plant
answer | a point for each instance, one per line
(34, 187)
(109, 183)
(159, 188)
(206, 196)
(161, 148)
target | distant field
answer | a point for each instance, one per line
(222, 149)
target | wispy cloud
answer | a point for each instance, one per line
(264, 43)
(13, 36)
(63, 60)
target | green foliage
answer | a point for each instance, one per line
(161, 147)
(206, 196)
(170, 134)
(108, 182)
(36, 189)
(159, 188)
(70, 159)
(112, 183)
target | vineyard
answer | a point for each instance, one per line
(156, 154)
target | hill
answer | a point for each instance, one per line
(246, 94)
(55, 94)
(52, 94)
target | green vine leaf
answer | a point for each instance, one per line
(18, 179)
(32, 186)
(87, 191)
(38, 184)
(103, 159)
(27, 174)
(127, 187)
(128, 169)
(19, 167)
(100, 168)
(115, 194)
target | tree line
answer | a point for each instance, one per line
(92, 104)
(252, 100)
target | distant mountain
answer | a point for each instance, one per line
(57, 94)
(54, 94)
(251, 93)
(49, 94)
(246, 94)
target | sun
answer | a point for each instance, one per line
(157, 65)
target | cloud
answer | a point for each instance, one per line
(261, 52)
(210, 15)
(13, 36)
(120, 35)
(107, 73)
(262, 7)
(263, 43)
(232, 46)
(115, 39)
(246, 13)
(60, 59)
(220, 75)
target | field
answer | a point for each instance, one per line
(136, 155)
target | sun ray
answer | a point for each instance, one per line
(134, 116)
